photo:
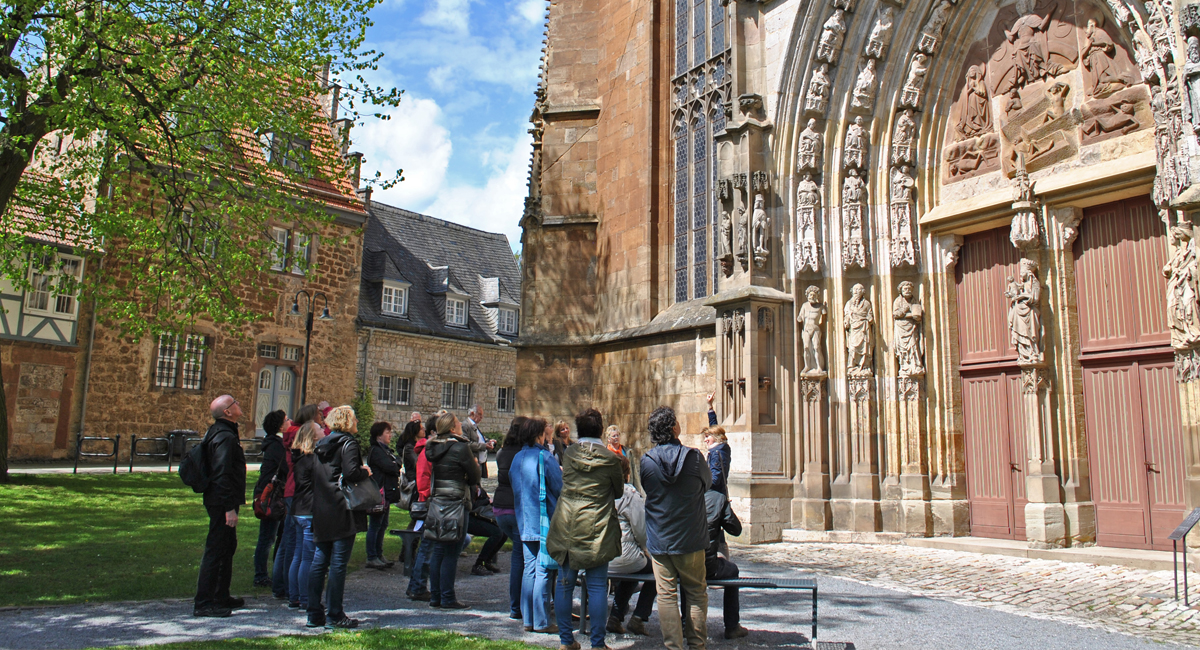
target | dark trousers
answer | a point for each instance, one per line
(624, 592)
(284, 549)
(477, 527)
(516, 568)
(723, 569)
(443, 566)
(330, 558)
(376, 530)
(216, 567)
(267, 529)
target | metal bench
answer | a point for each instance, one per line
(80, 453)
(792, 584)
(408, 552)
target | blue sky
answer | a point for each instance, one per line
(468, 69)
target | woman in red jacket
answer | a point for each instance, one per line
(417, 589)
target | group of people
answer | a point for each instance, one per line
(576, 511)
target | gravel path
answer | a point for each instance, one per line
(853, 615)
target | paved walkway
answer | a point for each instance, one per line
(877, 597)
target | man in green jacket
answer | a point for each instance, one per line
(585, 532)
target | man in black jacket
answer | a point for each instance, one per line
(721, 520)
(274, 466)
(675, 479)
(226, 492)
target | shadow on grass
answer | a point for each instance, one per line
(81, 538)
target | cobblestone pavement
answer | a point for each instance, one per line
(1114, 598)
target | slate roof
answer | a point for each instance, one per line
(435, 257)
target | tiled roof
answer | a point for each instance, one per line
(28, 217)
(435, 256)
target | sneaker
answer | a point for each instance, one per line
(294, 605)
(455, 605)
(490, 565)
(614, 625)
(516, 616)
(315, 622)
(262, 582)
(636, 626)
(343, 623)
(574, 646)
(235, 603)
(736, 633)
(376, 564)
(549, 629)
(212, 612)
(420, 595)
(478, 570)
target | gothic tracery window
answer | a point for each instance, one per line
(700, 90)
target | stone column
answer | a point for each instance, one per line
(861, 512)
(914, 478)
(810, 506)
(945, 450)
(1045, 524)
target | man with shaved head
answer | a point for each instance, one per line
(226, 465)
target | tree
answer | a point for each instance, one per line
(168, 133)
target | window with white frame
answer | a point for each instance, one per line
(279, 249)
(301, 253)
(457, 395)
(180, 364)
(456, 312)
(55, 286)
(268, 350)
(465, 393)
(290, 250)
(394, 390)
(448, 394)
(290, 353)
(506, 399)
(395, 300)
(506, 321)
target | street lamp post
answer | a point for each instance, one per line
(308, 328)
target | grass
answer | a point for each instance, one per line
(381, 639)
(83, 538)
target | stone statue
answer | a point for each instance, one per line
(909, 342)
(1191, 70)
(811, 317)
(808, 209)
(1024, 314)
(914, 84)
(863, 96)
(1058, 101)
(902, 138)
(854, 216)
(740, 237)
(1183, 312)
(725, 231)
(1028, 36)
(762, 224)
(832, 34)
(903, 252)
(818, 90)
(1104, 76)
(858, 140)
(1108, 116)
(975, 115)
(881, 33)
(859, 317)
(812, 146)
(931, 34)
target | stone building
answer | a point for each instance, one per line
(437, 314)
(934, 257)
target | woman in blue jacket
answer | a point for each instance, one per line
(536, 480)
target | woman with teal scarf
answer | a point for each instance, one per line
(536, 480)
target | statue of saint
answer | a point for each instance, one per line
(761, 224)
(909, 342)
(1028, 36)
(808, 154)
(1024, 314)
(860, 331)
(856, 145)
(724, 244)
(881, 33)
(818, 90)
(1183, 313)
(976, 115)
(863, 95)
(811, 317)
(832, 34)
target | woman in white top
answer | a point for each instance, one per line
(631, 512)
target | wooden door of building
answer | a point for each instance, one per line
(993, 426)
(1131, 401)
(276, 387)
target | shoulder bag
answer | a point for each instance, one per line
(360, 495)
(269, 503)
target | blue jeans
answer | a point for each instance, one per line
(283, 554)
(376, 529)
(534, 597)
(267, 529)
(595, 580)
(416, 582)
(302, 558)
(331, 558)
(443, 566)
(516, 567)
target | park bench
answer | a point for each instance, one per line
(408, 552)
(791, 584)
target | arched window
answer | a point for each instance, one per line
(700, 140)
(681, 212)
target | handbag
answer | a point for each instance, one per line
(418, 510)
(543, 558)
(269, 504)
(383, 504)
(362, 495)
(407, 492)
(447, 519)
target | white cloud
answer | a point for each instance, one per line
(532, 10)
(453, 15)
(413, 140)
(497, 205)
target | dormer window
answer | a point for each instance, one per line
(395, 299)
(456, 312)
(506, 321)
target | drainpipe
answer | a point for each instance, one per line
(87, 365)
(362, 373)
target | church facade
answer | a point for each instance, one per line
(934, 257)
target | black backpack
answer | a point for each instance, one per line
(193, 468)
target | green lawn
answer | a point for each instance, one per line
(358, 640)
(95, 537)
